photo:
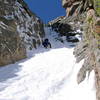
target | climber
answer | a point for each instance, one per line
(46, 43)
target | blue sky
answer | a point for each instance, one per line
(46, 9)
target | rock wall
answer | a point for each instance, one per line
(89, 47)
(72, 24)
(19, 29)
(69, 27)
(74, 7)
(83, 15)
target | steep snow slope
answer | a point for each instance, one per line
(47, 74)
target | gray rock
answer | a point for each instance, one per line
(19, 29)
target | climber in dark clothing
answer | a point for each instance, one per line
(46, 43)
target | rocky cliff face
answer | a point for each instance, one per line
(89, 47)
(70, 25)
(19, 29)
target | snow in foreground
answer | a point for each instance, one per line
(48, 74)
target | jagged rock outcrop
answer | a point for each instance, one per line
(71, 24)
(72, 6)
(11, 46)
(83, 15)
(19, 29)
(67, 26)
(89, 48)
(75, 7)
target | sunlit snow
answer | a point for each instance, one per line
(47, 74)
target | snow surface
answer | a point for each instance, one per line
(47, 74)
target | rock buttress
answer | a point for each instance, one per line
(19, 29)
